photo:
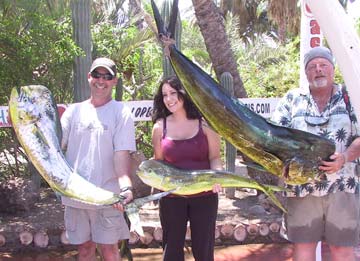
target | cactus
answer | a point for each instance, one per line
(165, 14)
(119, 90)
(226, 81)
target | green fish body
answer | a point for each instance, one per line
(163, 176)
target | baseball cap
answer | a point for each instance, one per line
(318, 52)
(104, 62)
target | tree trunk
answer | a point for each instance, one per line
(217, 44)
(81, 19)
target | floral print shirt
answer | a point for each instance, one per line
(296, 110)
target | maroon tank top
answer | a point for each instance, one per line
(192, 153)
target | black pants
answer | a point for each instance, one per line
(201, 212)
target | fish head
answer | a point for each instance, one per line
(28, 104)
(152, 172)
(301, 171)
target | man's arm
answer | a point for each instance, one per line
(122, 170)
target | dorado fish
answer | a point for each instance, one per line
(163, 176)
(37, 126)
(291, 154)
(36, 123)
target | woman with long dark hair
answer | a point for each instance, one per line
(181, 138)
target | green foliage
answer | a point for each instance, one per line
(35, 49)
(193, 45)
(269, 71)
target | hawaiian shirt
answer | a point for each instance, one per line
(295, 110)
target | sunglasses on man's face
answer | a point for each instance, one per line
(106, 76)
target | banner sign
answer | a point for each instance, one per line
(141, 110)
(310, 37)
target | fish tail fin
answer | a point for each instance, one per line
(168, 31)
(132, 210)
(134, 218)
(268, 190)
(173, 19)
(162, 30)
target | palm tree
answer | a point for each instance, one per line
(286, 14)
(217, 43)
(257, 17)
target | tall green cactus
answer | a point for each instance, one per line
(165, 14)
(226, 81)
(119, 90)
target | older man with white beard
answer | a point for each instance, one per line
(326, 209)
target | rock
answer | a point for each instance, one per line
(257, 210)
(17, 194)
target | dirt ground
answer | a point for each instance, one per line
(252, 252)
(47, 215)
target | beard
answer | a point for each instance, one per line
(319, 83)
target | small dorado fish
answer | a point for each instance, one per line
(162, 176)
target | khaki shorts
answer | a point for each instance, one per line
(102, 226)
(333, 218)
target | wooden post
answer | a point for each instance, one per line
(274, 227)
(147, 238)
(41, 239)
(264, 229)
(63, 238)
(134, 238)
(252, 229)
(26, 238)
(227, 230)
(2, 240)
(158, 234)
(240, 233)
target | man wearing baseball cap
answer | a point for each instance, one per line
(105, 63)
(98, 135)
(326, 209)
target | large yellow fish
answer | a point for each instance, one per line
(36, 123)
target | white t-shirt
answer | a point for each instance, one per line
(92, 135)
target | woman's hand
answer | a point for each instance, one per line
(217, 188)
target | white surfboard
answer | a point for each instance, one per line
(339, 31)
